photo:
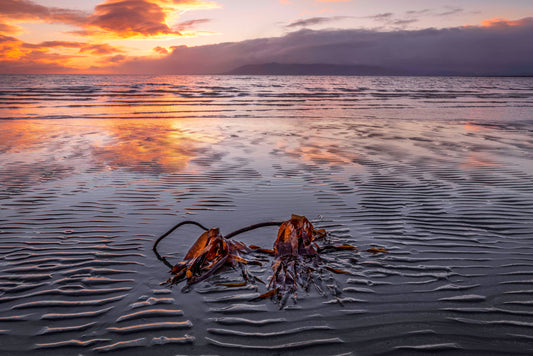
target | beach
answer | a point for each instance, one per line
(436, 171)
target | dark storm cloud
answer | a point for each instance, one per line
(503, 48)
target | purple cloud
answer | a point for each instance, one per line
(501, 50)
(316, 21)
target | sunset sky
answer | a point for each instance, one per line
(203, 36)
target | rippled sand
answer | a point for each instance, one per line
(82, 200)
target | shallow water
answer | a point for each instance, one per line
(437, 171)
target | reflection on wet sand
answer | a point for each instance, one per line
(154, 146)
(317, 151)
(420, 167)
(40, 150)
(477, 160)
(92, 197)
(23, 135)
(32, 152)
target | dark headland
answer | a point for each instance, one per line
(311, 69)
(275, 68)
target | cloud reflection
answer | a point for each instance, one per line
(147, 146)
(316, 150)
(155, 146)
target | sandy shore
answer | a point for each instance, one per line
(83, 200)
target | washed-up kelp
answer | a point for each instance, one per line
(209, 254)
(297, 263)
(296, 258)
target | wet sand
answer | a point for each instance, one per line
(438, 171)
(82, 201)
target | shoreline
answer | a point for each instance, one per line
(82, 201)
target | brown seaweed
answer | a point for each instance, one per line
(297, 263)
(297, 260)
(207, 256)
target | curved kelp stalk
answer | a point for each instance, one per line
(154, 248)
(209, 254)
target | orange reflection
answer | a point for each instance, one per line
(318, 151)
(472, 127)
(22, 135)
(478, 160)
(155, 145)
(33, 151)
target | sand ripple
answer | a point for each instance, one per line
(440, 178)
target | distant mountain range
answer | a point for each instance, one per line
(311, 69)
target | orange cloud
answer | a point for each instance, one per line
(51, 44)
(117, 59)
(52, 56)
(100, 49)
(83, 47)
(187, 25)
(9, 29)
(128, 18)
(142, 18)
(9, 48)
(161, 50)
(499, 22)
(111, 18)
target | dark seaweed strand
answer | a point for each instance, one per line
(253, 227)
(154, 248)
(229, 236)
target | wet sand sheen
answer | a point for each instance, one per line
(82, 201)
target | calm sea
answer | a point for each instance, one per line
(322, 97)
